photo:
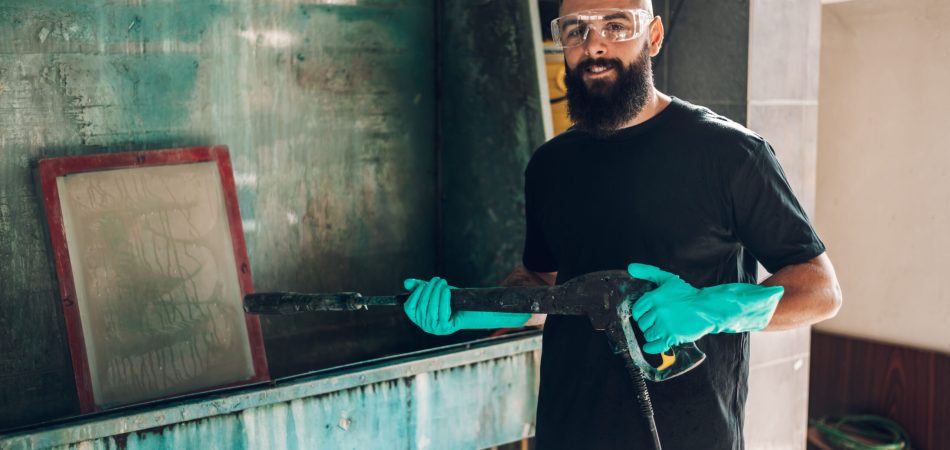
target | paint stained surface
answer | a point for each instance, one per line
(156, 281)
(429, 400)
(327, 109)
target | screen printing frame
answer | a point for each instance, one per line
(50, 170)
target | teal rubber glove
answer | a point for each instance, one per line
(676, 313)
(430, 308)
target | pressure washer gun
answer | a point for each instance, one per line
(605, 297)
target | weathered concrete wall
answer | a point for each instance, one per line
(784, 39)
(327, 108)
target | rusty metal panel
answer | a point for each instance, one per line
(327, 107)
(447, 398)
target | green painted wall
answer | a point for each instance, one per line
(329, 108)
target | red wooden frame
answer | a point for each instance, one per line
(51, 169)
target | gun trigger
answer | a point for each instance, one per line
(668, 360)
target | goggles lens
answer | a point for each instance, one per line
(615, 25)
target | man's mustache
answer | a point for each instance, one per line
(610, 63)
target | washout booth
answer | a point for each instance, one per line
(354, 143)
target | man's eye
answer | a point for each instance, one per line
(574, 32)
(615, 27)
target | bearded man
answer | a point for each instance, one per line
(677, 195)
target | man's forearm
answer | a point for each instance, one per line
(812, 294)
(521, 276)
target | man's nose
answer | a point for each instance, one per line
(595, 44)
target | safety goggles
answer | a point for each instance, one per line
(614, 25)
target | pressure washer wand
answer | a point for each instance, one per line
(604, 297)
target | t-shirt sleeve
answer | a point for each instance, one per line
(769, 221)
(537, 255)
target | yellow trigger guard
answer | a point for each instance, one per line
(668, 359)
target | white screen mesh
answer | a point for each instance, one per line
(156, 283)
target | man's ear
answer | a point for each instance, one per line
(656, 36)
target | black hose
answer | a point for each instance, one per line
(643, 396)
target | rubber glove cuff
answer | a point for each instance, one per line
(742, 307)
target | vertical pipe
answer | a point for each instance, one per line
(439, 194)
(538, 45)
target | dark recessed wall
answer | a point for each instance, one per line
(705, 59)
(492, 123)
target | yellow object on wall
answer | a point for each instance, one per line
(557, 90)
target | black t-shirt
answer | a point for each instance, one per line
(692, 193)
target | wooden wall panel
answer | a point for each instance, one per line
(940, 421)
(910, 386)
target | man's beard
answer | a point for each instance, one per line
(604, 106)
